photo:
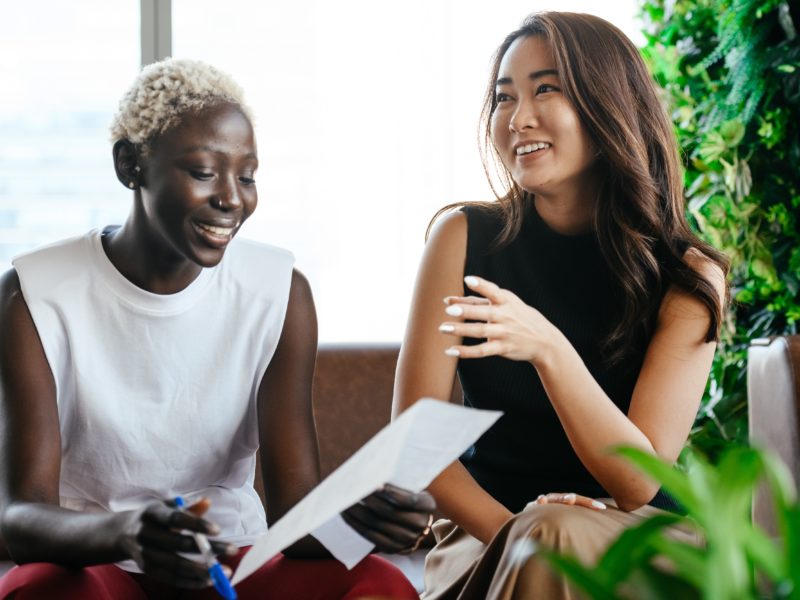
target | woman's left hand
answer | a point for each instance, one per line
(512, 329)
(571, 499)
(393, 519)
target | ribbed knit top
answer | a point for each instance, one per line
(565, 277)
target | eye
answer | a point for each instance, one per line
(247, 180)
(201, 175)
(501, 97)
(546, 87)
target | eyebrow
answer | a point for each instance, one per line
(533, 76)
(204, 148)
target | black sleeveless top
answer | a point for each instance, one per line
(527, 453)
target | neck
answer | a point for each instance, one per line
(565, 218)
(146, 261)
(569, 211)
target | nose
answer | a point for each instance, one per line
(227, 196)
(524, 117)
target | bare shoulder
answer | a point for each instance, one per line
(13, 308)
(706, 268)
(446, 247)
(300, 289)
(301, 314)
(679, 303)
(449, 228)
(9, 288)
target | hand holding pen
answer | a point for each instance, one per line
(158, 536)
(218, 577)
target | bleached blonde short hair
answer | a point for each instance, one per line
(165, 91)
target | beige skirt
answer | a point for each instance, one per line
(461, 567)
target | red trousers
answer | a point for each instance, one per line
(280, 579)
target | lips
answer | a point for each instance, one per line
(216, 235)
(526, 148)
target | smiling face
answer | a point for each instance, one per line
(535, 129)
(198, 184)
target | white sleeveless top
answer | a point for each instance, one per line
(157, 393)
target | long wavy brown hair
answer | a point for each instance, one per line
(639, 217)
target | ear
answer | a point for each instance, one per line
(126, 164)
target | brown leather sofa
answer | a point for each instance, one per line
(773, 390)
(353, 387)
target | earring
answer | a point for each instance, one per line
(137, 168)
(131, 185)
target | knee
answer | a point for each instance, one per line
(47, 580)
(556, 526)
(35, 580)
(376, 576)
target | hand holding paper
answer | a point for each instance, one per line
(409, 453)
(392, 518)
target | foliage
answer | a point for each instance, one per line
(730, 71)
(736, 555)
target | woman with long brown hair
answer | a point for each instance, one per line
(579, 303)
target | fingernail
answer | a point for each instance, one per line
(569, 497)
(471, 280)
(444, 327)
(212, 529)
(541, 499)
(454, 311)
(598, 504)
(452, 352)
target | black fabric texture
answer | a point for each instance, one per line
(527, 453)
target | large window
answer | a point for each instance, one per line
(366, 119)
(64, 66)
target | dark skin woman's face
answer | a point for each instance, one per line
(199, 184)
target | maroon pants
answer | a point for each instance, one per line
(281, 579)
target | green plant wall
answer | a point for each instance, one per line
(730, 72)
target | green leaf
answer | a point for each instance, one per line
(690, 561)
(633, 547)
(589, 580)
(675, 482)
(651, 583)
(765, 554)
(732, 133)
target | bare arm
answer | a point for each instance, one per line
(665, 399)
(33, 525)
(424, 370)
(287, 434)
(392, 519)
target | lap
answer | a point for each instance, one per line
(460, 566)
(47, 580)
(280, 578)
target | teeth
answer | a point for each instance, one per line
(531, 148)
(225, 231)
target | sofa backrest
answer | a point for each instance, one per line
(773, 390)
(353, 386)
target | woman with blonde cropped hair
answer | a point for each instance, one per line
(153, 360)
(579, 303)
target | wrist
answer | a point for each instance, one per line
(122, 527)
(555, 353)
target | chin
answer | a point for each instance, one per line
(208, 258)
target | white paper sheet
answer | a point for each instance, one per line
(345, 543)
(409, 453)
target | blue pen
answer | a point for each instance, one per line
(221, 583)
